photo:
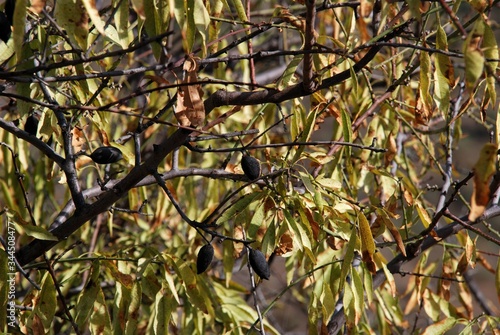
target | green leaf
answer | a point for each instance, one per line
(288, 76)
(100, 321)
(71, 15)
(440, 327)
(133, 317)
(153, 25)
(306, 133)
(348, 257)
(122, 23)
(18, 31)
(88, 296)
(94, 15)
(45, 303)
(37, 232)
(443, 76)
(358, 294)
(240, 205)
(474, 60)
(201, 19)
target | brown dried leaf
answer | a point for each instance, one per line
(190, 108)
(483, 172)
(391, 150)
(78, 139)
(285, 245)
(238, 247)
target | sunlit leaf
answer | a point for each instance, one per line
(72, 15)
(440, 327)
(367, 242)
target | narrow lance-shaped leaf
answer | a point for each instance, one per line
(440, 327)
(381, 215)
(483, 171)
(473, 57)
(367, 242)
(423, 108)
(348, 257)
(443, 76)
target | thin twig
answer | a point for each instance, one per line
(290, 144)
(468, 226)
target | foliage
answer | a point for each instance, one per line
(359, 113)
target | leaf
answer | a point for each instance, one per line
(440, 327)
(367, 242)
(152, 24)
(348, 257)
(94, 15)
(306, 134)
(473, 57)
(288, 75)
(483, 171)
(88, 297)
(133, 310)
(45, 303)
(240, 205)
(423, 107)
(18, 31)
(423, 215)
(381, 214)
(100, 321)
(359, 296)
(71, 15)
(163, 306)
(443, 76)
(190, 108)
(38, 232)
(122, 23)
(201, 19)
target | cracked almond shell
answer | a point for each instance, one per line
(259, 264)
(205, 256)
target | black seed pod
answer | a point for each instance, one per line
(259, 264)
(106, 155)
(5, 29)
(31, 125)
(251, 167)
(205, 256)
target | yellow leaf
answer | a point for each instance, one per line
(72, 16)
(483, 171)
(94, 15)
(367, 242)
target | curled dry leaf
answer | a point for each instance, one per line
(285, 245)
(190, 108)
(205, 257)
